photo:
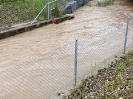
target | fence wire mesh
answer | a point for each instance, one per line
(44, 76)
(14, 12)
(24, 12)
(19, 12)
(29, 80)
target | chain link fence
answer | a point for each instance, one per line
(23, 12)
(14, 12)
(52, 74)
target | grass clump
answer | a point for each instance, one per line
(37, 7)
(113, 82)
(103, 3)
(27, 10)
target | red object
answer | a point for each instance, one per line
(53, 21)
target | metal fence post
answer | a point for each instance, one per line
(56, 3)
(48, 8)
(126, 35)
(75, 62)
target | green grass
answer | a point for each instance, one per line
(13, 12)
(104, 3)
(38, 5)
(16, 12)
(110, 83)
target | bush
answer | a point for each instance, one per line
(57, 12)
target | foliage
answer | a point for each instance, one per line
(56, 12)
(113, 82)
(16, 12)
(37, 6)
(104, 3)
(24, 10)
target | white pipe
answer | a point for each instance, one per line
(42, 10)
(39, 14)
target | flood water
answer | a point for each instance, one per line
(88, 20)
(102, 30)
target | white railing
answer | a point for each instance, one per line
(47, 5)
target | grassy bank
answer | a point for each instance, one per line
(27, 10)
(104, 3)
(114, 82)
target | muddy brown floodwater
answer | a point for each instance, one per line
(17, 49)
(41, 78)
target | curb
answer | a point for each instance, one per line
(18, 30)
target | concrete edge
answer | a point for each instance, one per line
(22, 29)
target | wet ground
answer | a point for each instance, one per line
(50, 72)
